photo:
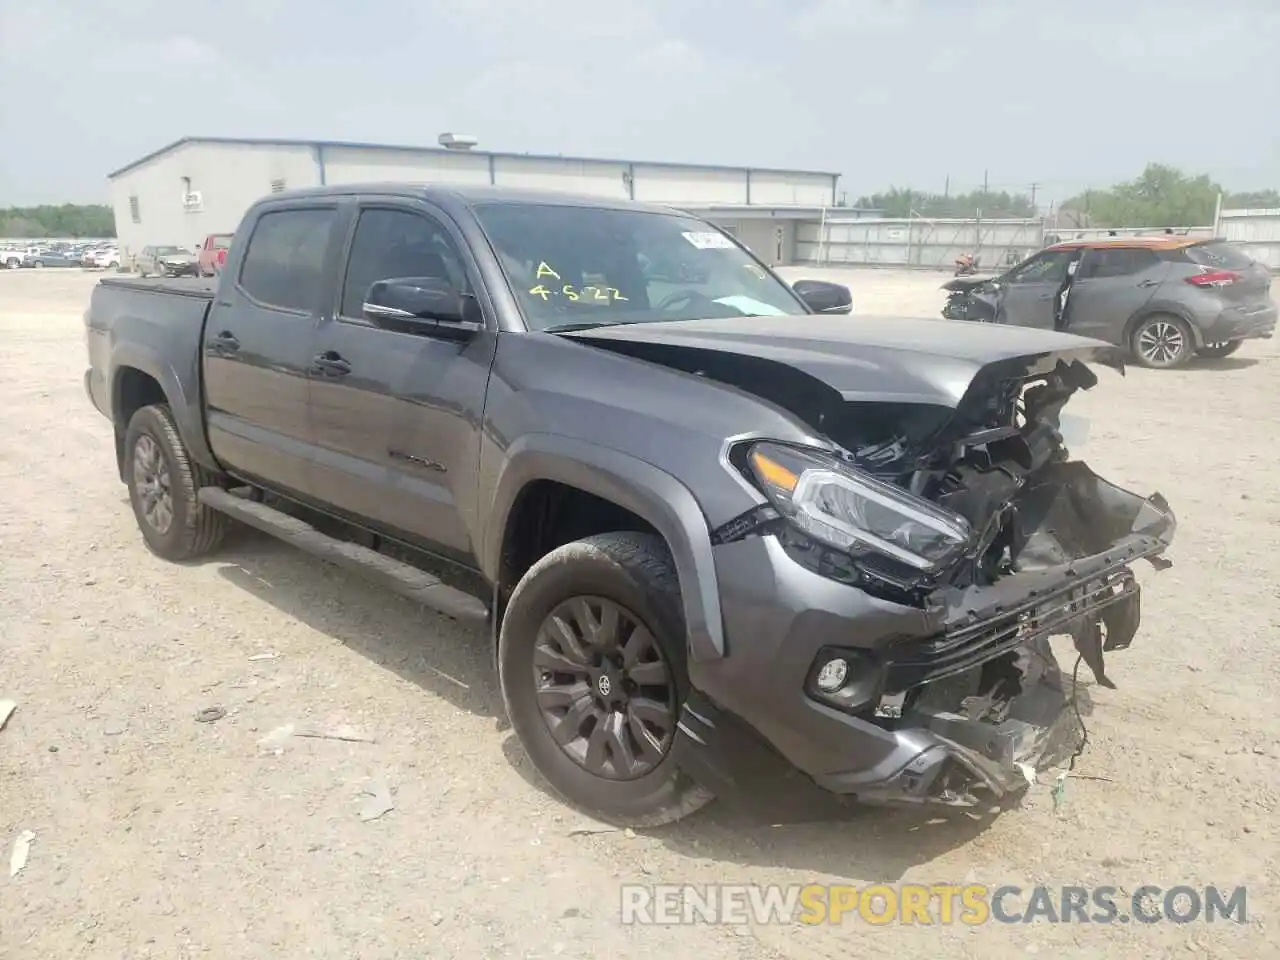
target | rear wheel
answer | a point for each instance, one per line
(1216, 351)
(163, 483)
(591, 660)
(1162, 342)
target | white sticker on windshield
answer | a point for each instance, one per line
(751, 307)
(709, 240)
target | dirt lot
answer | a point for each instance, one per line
(161, 836)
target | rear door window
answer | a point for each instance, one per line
(1219, 256)
(1117, 262)
(284, 263)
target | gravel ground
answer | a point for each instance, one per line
(161, 836)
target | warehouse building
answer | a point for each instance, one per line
(201, 185)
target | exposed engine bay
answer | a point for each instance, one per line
(1049, 551)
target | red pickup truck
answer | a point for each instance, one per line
(213, 254)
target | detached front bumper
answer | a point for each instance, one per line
(910, 725)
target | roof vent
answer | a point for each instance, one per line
(457, 141)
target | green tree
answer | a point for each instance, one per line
(65, 220)
(905, 202)
(1161, 196)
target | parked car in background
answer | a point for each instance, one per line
(1164, 298)
(213, 254)
(106, 258)
(166, 261)
(53, 258)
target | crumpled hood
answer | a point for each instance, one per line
(893, 359)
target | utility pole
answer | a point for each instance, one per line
(985, 191)
(946, 188)
(1034, 188)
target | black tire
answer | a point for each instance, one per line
(1216, 351)
(37, 264)
(634, 571)
(1162, 342)
(193, 529)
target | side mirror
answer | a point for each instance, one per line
(422, 305)
(823, 297)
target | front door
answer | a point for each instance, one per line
(1111, 286)
(397, 415)
(1030, 290)
(258, 347)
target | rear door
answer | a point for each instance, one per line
(1030, 289)
(396, 415)
(259, 344)
(1111, 285)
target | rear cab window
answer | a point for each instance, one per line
(283, 266)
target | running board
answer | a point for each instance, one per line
(404, 579)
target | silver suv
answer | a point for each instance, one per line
(1165, 298)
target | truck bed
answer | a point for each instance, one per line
(155, 326)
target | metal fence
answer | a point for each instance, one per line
(1258, 231)
(935, 244)
(917, 242)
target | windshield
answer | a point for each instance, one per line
(162, 251)
(222, 243)
(574, 267)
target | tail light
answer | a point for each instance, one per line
(1214, 278)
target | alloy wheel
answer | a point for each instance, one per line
(604, 688)
(151, 481)
(1161, 343)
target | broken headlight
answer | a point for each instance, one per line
(855, 513)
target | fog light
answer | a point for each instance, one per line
(833, 675)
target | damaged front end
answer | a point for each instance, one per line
(976, 516)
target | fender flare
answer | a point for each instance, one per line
(187, 414)
(639, 486)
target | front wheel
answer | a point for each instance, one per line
(591, 661)
(163, 484)
(1162, 342)
(1216, 351)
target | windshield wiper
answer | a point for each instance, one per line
(581, 325)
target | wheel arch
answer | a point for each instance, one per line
(140, 378)
(625, 483)
(1167, 308)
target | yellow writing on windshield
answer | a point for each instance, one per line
(569, 292)
(545, 271)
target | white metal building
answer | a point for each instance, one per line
(202, 185)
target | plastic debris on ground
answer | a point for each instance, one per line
(377, 800)
(21, 850)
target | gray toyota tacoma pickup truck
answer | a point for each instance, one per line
(716, 526)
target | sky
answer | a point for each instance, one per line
(888, 93)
